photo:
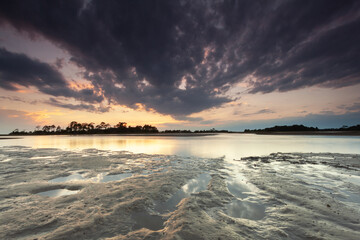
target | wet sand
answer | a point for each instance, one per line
(97, 194)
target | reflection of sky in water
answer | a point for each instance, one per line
(45, 157)
(192, 186)
(57, 193)
(101, 177)
(238, 185)
(245, 209)
(145, 220)
(233, 146)
(72, 177)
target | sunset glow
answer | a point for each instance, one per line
(209, 68)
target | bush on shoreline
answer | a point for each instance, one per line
(88, 128)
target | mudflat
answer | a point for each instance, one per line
(50, 193)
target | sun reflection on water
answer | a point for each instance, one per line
(232, 146)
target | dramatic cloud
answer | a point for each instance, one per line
(181, 57)
(82, 106)
(20, 70)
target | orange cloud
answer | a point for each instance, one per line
(43, 116)
(80, 86)
(21, 88)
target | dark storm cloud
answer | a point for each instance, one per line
(20, 70)
(82, 106)
(59, 63)
(181, 57)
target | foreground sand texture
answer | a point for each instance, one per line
(94, 194)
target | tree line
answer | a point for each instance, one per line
(302, 128)
(87, 128)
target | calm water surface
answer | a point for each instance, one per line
(232, 146)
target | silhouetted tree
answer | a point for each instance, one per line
(121, 125)
(149, 128)
(46, 128)
(101, 126)
(84, 127)
(72, 126)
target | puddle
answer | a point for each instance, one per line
(245, 209)
(354, 179)
(155, 170)
(242, 207)
(192, 186)
(57, 193)
(44, 157)
(72, 177)
(238, 186)
(114, 177)
(145, 220)
(351, 198)
(99, 178)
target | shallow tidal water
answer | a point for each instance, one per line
(232, 146)
(57, 193)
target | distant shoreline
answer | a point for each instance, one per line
(310, 133)
(314, 133)
(114, 134)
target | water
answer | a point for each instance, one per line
(72, 177)
(155, 222)
(102, 177)
(57, 193)
(238, 185)
(245, 209)
(232, 146)
(192, 186)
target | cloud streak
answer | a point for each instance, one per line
(182, 57)
(262, 111)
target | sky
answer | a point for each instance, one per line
(180, 64)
